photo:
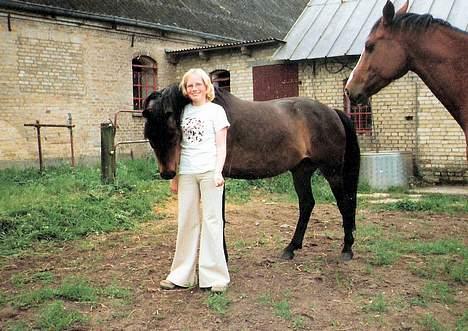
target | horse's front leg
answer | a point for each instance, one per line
(303, 189)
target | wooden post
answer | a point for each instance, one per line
(39, 146)
(70, 128)
(107, 153)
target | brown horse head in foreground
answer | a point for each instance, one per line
(266, 139)
(430, 47)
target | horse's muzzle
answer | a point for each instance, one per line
(168, 174)
(357, 98)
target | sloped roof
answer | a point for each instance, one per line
(238, 44)
(237, 20)
(333, 28)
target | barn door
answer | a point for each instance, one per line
(275, 81)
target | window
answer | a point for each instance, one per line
(221, 79)
(144, 80)
(361, 114)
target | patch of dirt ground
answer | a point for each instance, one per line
(314, 291)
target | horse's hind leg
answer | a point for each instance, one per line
(346, 201)
(302, 185)
(226, 255)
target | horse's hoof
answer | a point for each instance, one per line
(287, 255)
(347, 256)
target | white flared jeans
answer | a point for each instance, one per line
(199, 233)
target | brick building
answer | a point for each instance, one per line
(90, 60)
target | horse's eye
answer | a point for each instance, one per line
(370, 48)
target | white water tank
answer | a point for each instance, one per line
(382, 170)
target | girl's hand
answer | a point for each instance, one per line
(174, 185)
(218, 179)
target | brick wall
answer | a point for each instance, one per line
(407, 117)
(240, 67)
(51, 69)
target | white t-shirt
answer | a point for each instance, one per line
(198, 146)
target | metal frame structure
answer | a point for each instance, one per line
(38, 127)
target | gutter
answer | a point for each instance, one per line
(113, 20)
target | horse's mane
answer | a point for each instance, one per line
(411, 22)
(222, 97)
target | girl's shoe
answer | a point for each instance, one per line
(166, 284)
(219, 288)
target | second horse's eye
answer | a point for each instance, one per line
(369, 48)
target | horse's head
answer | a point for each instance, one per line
(383, 59)
(162, 110)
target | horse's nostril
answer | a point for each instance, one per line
(168, 174)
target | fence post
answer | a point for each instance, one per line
(107, 153)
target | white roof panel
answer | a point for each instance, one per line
(331, 28)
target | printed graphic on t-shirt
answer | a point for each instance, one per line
(193, 130)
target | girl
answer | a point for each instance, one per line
(200, 180)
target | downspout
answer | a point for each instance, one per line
(416, 127)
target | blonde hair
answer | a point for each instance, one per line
(210, 95)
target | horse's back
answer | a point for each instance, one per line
(271, 137)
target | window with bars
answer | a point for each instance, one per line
(221, 79)
(361, 114)
(144, 71)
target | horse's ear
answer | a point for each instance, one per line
(404, 8)
(147, 105)
(388, 13)
(166, 101)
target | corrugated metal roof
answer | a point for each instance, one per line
(332, 28)
(266, 41)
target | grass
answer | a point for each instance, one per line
(43, 277)
(378, 304)
(218, 302)
(76, 289)
(438, 292)
(429, 323)
(56, 317)
(65, 203)
(437, 203)
(73, 289)
(387, 249)
(241, 190)
(282, 308)
(462, 322)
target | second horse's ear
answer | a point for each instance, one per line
(388, 13)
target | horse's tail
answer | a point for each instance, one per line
(352, 159)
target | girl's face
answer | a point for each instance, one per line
(196, 90)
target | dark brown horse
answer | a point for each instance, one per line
(430, 47)
(266, 139)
